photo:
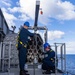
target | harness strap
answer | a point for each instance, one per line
(24, 45)
(52, 59)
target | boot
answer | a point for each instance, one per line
(53, 71)
(23, 73)
(47, 72)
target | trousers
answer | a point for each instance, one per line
(47, 64)
(22, 57)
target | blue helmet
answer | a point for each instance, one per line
(27, 24)
(46, 45)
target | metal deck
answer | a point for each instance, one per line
(15, 71)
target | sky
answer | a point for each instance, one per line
(58, 16)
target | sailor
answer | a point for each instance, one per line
(49, 60)
(22, 46)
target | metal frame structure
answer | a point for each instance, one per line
(40, 28)
(3, 58)
(62, 57)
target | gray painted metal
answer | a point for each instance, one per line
(4, 29)
(61, 57)
(3, 23)
(15, 71)
(36, 13)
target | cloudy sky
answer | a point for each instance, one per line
(58, 16)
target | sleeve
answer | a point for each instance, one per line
(51, 55)
(30, 34)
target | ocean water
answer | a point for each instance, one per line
(70, 63)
